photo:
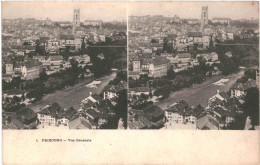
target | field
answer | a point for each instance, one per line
(72, 96)
(199, 94)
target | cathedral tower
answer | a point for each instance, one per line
(76, 19)
(204, 16)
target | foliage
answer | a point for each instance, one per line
(251, 105)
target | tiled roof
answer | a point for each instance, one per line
(139, 89)
(25, 114)
(79, 123)
(184, 55)
(32, 63)
(198, 110)
(160, 61)
(194, 34)
(67, 37)
(153, 111)
(207, 121)
(56, 58)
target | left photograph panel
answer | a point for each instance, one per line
(64, 65)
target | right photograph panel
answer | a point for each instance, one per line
(193, 65)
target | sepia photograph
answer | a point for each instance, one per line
(193, 65)
(64, 65)
(92, 82)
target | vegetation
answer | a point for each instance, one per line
(251, 105)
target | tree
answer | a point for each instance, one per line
(43, 75)
(211, 46)
(251, 105)
(121, 107)
(83, 45)
(171, 73)
(154, 41)
(74, 67)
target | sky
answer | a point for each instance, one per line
(63, 11)
(233, 10)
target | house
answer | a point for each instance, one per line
(183, 57)
(67, 42)
(221, 20)
(180, 112)
(56, 62)
(53, 114)
(22, 119)
(78, 43)
(80, 123)
(134, 75)
(9, 67)
(97, 117)
(52, 46)
(92, 22)
(192, 21)
(224, 116)
(111, 91)
(207, 122)
(155, 115)
(12, 93)
(31, 69)
(64, 23)
(195, 37)
(138, 91)
(206, 41)
(94, 97)
(136, 64)
(238, 89)
(159, 67)
(138, 120)
(211, 57)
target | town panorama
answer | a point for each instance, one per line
(176, 66)
(196, 72)
(64, 74)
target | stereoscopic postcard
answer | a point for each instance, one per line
(130, 82)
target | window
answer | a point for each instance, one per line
(204, 15)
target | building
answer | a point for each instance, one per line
(111, 91)
(207, 122)
(221, 20)
(56, 61)
(76, 19)
(92, 22)
(155, 115)
(21, 119)
(159, 67)
(31, 69)
(204, 16)
(181, 113)
(54, 115)
(9, 66)
(218, 99)
(136, 65)
(238, 89)
(195, 37)
(80, 123)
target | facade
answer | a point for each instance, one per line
(136, 65)
(159, 67)
(54, 114)
(9, 68)
(93, 22)
(221, 20)
(181, 113)
(31, 69)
